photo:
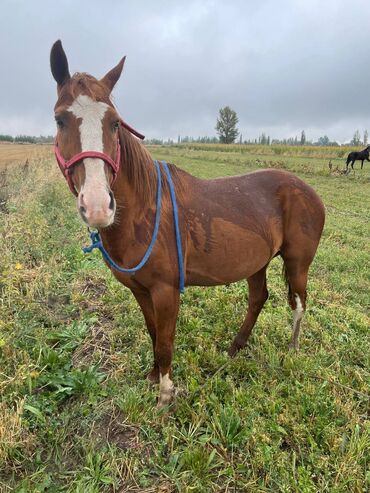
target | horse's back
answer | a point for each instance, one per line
(263, 198)
(267, 186)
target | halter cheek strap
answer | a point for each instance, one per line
(66, 166)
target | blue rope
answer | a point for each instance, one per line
(96, 241)
(177, 228)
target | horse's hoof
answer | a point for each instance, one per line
(153, 376)
(294, 346)
(234, 348)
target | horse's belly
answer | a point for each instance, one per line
(228, 254)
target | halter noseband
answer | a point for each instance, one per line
(67, 166)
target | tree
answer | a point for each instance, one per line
(366, 137)
(303, 138)
(263, 139)
(356, 139)
(226, 125)
(323, 141)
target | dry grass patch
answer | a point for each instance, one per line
(15, 154)
(16, 441)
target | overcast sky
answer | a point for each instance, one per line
(282, 65)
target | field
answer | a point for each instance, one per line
(16, 154)
(76, 413)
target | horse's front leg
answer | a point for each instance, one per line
(166, 306)
(144, 299)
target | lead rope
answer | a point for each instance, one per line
(96, 241)
(180, 259)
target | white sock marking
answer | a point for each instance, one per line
(165, 383)
(298, 312)
(166, 390)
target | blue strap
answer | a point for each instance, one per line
(177, 228)
(96, 241)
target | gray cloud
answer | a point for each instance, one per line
(283, 66)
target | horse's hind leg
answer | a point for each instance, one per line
(257, 297)
(296, 275)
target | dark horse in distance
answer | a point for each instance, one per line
(231, 228)
(358, 156)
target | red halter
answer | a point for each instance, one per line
(67, 166)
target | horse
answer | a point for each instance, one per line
(358, 156)
(231, 227)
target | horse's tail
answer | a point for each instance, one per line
(284, 273)
(348, 158)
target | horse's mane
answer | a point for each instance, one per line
(138, 166)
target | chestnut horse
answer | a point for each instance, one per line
(230, 227)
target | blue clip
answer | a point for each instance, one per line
(95, 242)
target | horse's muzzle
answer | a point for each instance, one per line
(99, 214)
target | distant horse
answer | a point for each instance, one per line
(358, 156)
(231, 228)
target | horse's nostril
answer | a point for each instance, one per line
(82, 209)
(111, 203)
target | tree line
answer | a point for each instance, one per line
(28, 139)
(228, 133)
(226, 127)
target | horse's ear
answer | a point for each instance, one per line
(59, 64)
(110, 79)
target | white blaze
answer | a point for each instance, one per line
(91, 132)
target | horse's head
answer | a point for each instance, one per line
(87, 145)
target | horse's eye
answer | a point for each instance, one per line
(60, 123)
(116, 125)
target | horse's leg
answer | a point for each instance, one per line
(362, 163)
(296, 273)
(257, 297)
(166, 301)
(145, 301)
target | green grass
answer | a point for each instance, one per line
(76, 414)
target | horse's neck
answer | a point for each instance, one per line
(136, 211)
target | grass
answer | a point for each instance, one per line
(76, 414)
